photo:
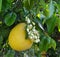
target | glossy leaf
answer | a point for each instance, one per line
(10, 19)
(53, 44)
(46, 43)
(51, 9)
(51, 23)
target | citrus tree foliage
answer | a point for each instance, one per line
(46, 15)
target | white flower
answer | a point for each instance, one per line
(28, 33)
(37, 40)
(38, 37)
(35, 32)
(35, 37)
(28, 20)
(33, 29)
(29, 26)
(33, 23)
(25, 55)
(31, 37)
(32, 34)
(27, 30)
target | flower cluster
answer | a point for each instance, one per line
(33, 34)
(26, 55)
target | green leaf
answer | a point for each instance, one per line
(10, 19)
(46, 43)
(58, 24)
(51, 24)
(1, 40)
(5, 32)
(51, 9)
(28, 4)
(42, 2)
(53, 44)
(10, 53)
(10, 1)
(0, 5)
(6, 5)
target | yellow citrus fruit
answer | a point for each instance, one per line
(17, 39)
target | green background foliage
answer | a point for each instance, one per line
(13, 12)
